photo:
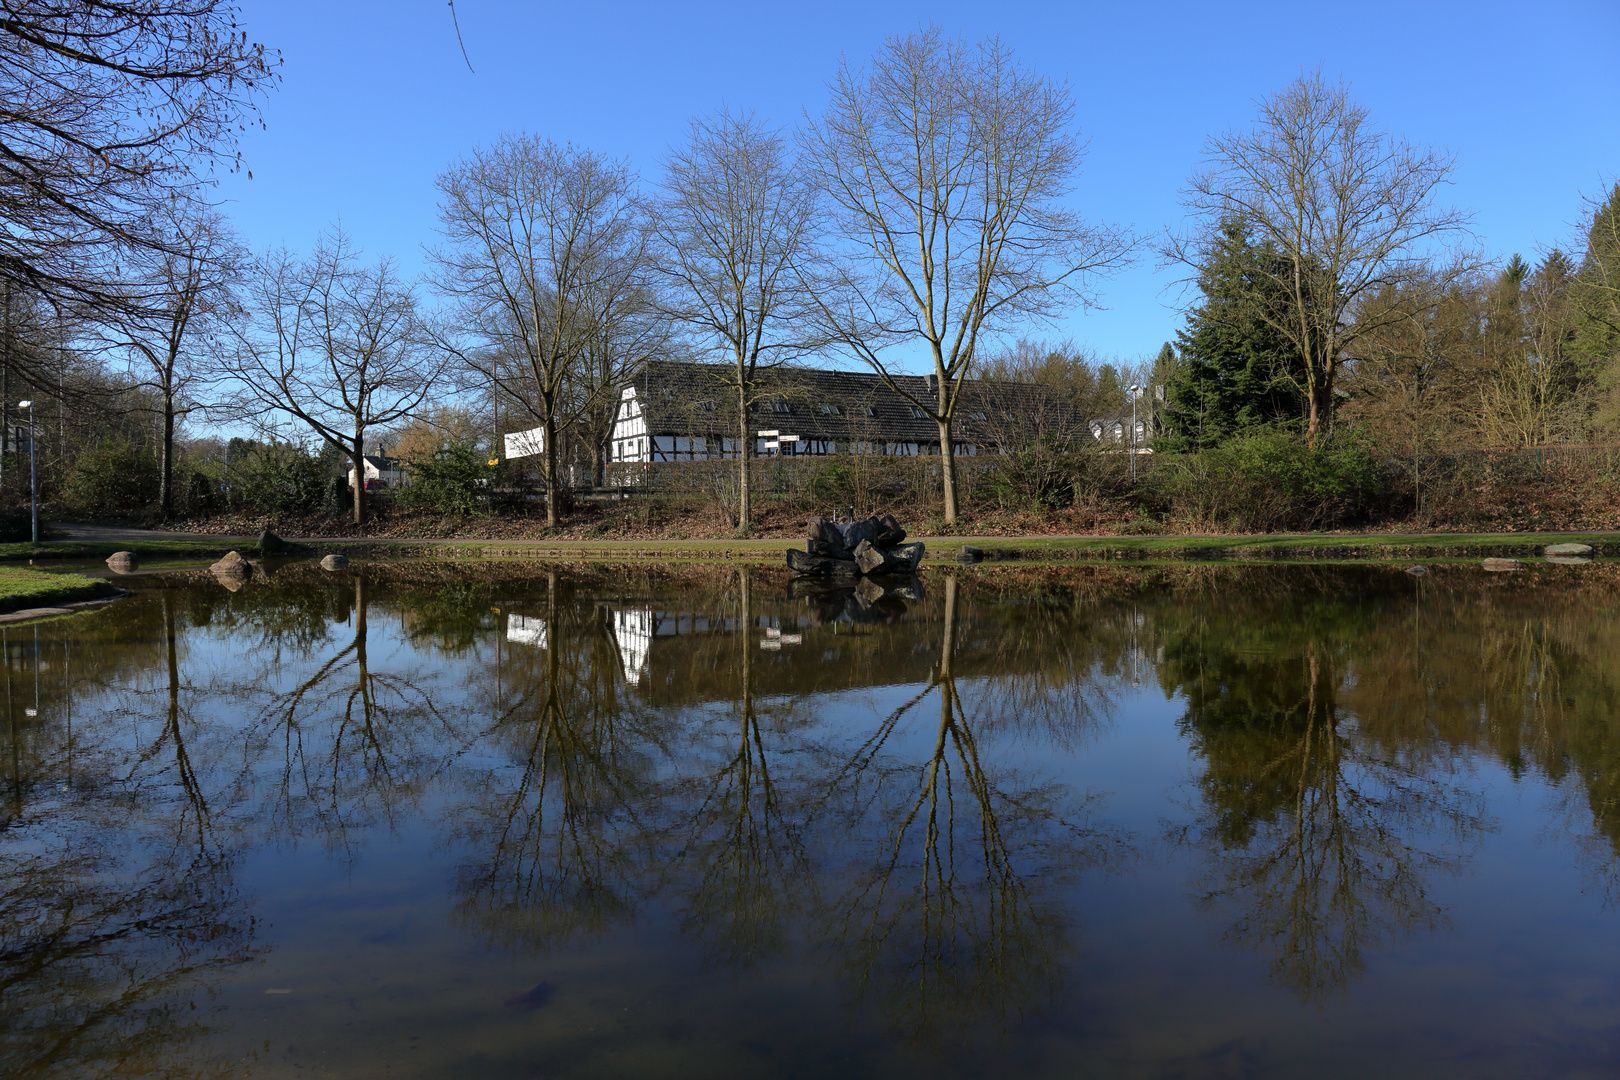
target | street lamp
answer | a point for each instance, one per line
(1134, 390)
(33, 475)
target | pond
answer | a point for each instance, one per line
(417, 820)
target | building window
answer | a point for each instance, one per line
(917, 413)
(831, 410)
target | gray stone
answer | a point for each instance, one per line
(1500, 565)
(869, 558)
(826, 538)
(909, 556)
(890, 534)
(233, 565)
(856, 531)
(271, 544)
(970, 554)
(123, 562)
(1567, 549)
(1417, 571)
(334, 562)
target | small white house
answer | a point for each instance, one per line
(381, 472)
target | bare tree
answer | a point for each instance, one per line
(736, 223)
(113, 110)
(947, 165)
(541, 239)
(179, 293)
(1350, 210)
(336, 346)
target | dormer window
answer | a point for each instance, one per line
(831, 410)
(917, 413)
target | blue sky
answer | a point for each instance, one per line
(376, 100)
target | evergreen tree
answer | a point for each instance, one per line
(1236, 371)
(1595, 296)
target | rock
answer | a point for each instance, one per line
(334, 562)
(970, 554)
(271, 544)
(909, 557)
(826, 538)
(1417, 571)
(233, 566)
(1567, 549)
(1503, 564)
(870, 559)
(865, 529)
(123, 562)
(890, 534)
(1569, 560)
(806, 563)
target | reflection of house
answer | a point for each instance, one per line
(681, 412)
(381, 472)
(526, 630)
(632, 631)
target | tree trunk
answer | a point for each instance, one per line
(358, 456)
(947, 464)
(550, 430)
(745, 499)
(598, 463)
(166, 474)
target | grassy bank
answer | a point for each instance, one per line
(21, 588)
(1296, 547)
(1036, 549)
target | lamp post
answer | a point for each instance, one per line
(1134, 390)
(33, 475)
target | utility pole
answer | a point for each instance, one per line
(1134, 390)
(33, 475)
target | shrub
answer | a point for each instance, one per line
(455, 480)
(1268, 479)
(112, 478)
(279, 479)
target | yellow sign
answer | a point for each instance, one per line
(494, 461)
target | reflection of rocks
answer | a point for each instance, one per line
(868, 601)
(1501, 565)
(334, 562)
(123, 562)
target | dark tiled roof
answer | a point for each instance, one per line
(679, 397)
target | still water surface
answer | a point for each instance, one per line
(1175, 822)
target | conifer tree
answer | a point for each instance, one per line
(1236, 370)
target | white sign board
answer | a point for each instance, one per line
(526, 443)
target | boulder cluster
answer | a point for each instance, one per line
(874, 545)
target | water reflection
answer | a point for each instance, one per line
(869, 781)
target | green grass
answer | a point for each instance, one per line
(1332, 547)
(20, 588)
(100, 549)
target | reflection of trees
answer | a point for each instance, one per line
(949, 911)
(554, 834)
(744, 869)
(1320, 845)
(350, 743)
(99, 948)
(117, 899)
